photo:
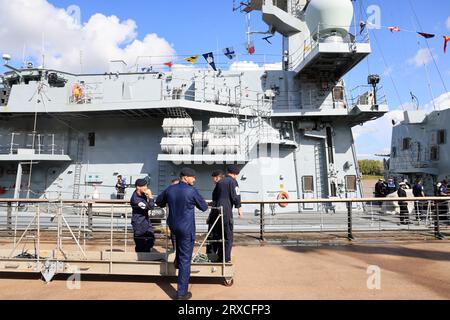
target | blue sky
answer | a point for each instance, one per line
(199, 26)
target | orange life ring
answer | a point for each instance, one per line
(283, 196)
(77, 92)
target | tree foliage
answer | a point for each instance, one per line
(371, 167)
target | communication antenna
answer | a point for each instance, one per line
(43, 50)
(415, 100)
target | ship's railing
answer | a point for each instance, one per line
(308, 217)
(44, 144)
(364, 95)
(311, 42)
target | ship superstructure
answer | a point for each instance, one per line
(420, 148)
(70, 135)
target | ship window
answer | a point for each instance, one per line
(350, 183)
(91, 138)
(308, 184)
(442, 136)
(434, 153)
(406, 143)
(338, 94)
(333, 189)
(394, 152)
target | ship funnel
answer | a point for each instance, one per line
(329, 20)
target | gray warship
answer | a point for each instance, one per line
(420, 148)
(68, 136)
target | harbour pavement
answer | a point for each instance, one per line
(360, 270)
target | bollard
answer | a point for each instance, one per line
(350, 222)
(437, 231)
(262, 222)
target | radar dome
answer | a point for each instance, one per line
(331, 17)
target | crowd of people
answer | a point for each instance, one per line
(389, 188)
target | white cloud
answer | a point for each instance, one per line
(388, 71)
(422, 57)
(101, 39)
(380, 129)
(251, 66)
(440, 103)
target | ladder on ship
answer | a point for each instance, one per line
(318, 171)
(163, 172)
(78, 167)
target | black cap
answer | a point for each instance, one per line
(233, 169)
(217, 173)
(141, 183)
(187, 172)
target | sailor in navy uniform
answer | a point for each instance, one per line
(141, 203)
(182, 199)
(213, 246)
(227, 196)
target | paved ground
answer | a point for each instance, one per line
(409, 270)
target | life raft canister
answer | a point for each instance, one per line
(283, 196)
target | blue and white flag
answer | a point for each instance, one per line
(229, 53)
(209, 57)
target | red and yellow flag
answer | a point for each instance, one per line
(446, 40)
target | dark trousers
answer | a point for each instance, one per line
(404, 213)
(183, 257)
(443, 210)
(144, 242)
(228, 234)
(214, 237)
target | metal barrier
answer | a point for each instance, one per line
(48, 223)
(88, 224)
(317, 215)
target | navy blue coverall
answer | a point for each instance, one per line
(227, 195)
(144, 237)
(182, 200)
(213, 247)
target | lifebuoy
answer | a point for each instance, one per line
(283, 196)
(77, 92)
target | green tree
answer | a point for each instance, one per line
(371, 167)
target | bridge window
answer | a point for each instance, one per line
(338, 94)
(434, 153)
(406, 143)
(308, 184)
(442, 136)
(394, 152)
(91, 138)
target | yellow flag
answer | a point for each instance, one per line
(192, 59)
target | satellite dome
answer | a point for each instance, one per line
(331, 17)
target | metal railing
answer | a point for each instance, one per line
(428, 214)
(44, 144)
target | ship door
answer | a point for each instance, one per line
(308, 191)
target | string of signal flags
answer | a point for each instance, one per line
(394, 29)
(210, 59)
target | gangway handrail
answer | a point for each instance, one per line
(245, 202)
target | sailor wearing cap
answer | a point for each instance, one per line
(227, 196)
(141, 202)
(182, 200)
